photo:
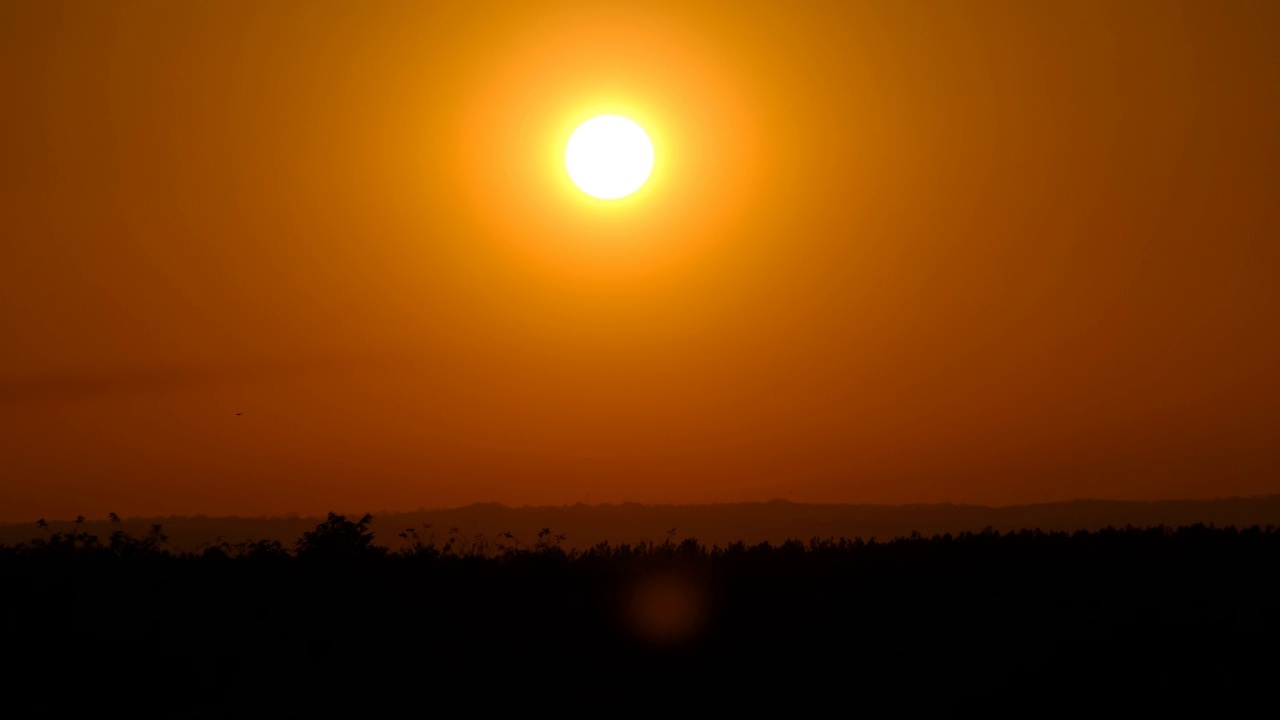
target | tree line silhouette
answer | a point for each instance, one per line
(451, 623)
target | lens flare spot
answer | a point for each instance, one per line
(665, 609)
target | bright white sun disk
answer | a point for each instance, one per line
(609, 157)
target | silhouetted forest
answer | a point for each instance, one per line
(775, 521)
(1133, 620)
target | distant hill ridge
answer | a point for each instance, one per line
(754, 522)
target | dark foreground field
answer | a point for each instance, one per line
(1029, 624)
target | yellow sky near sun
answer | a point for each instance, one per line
(562, 69)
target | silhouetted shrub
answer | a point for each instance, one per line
(339, 538)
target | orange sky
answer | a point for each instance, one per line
(891, 252)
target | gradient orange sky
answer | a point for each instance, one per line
(989, 252)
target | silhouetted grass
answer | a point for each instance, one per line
(451, 623)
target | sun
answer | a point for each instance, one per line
(609, 157)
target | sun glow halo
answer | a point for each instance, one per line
(609, 157)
